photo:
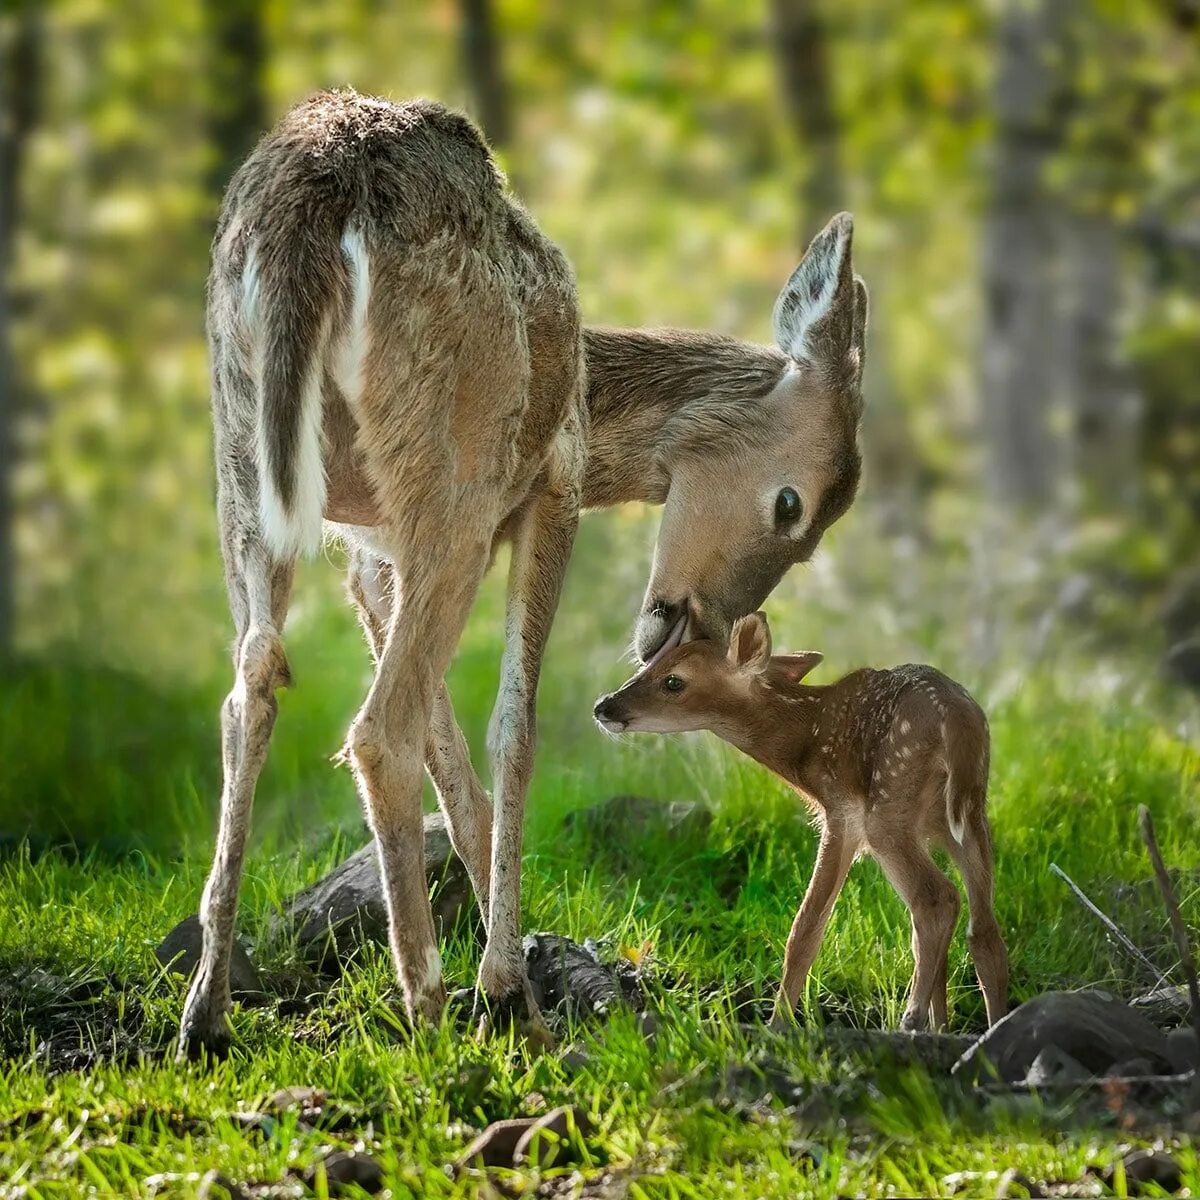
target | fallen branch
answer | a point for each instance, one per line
(1123, 939)
(1178, 929)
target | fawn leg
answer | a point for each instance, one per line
(386, 743)
(461, 796)
(541, 547)
(834, 858)
(259, 588)
(933, 902)
(984, 940)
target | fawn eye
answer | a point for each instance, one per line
(673, 683)
(787, 507)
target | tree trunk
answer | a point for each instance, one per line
(1019, 242)
(237, 106)
(802, 61)
(20, 81)
(484, 71)
(1105, 413)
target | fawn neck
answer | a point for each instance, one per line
(780, 726)
(647, 389)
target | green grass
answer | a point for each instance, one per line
(128, 768)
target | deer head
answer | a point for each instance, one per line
(754, 481)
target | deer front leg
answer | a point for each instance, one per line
(541, 547)
(834, 858)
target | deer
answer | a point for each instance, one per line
(399, 364)
(889, 762)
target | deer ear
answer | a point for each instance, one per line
(750, 643)
(820, 316)
(794, 667)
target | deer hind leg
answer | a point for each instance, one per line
(933, 903)
(259, 589)
(984, 939)
(834, 859)
(542, 545)
(463, 801)
(386, 743)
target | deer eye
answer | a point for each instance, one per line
(673, 683)
(787, 507)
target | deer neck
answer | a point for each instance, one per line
(779, 727)
(650, 392)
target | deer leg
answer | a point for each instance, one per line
(834, 858)
(461, 796)
(386, 743)
(259, 589)
(984, 940)
(933, 902)
(541, 547)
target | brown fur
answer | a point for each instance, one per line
(396, 348)
(890, 762)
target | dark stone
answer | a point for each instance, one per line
(179, 951)
(565, 974)
(547, 1142)
(344, 1169)
(332, 918)
(1144, 1167)
(1184, 1052)
(1092, 1028)
(496, 1145)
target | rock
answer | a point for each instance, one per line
(548, 1142)
(1164, 1005)
(344, 1169)
(333, 917)
(496, 1145)
(564, 973)
(1184, 1052)
(1147, 1167)
(179, 952)
(1130, 1068)
(1052, 1067)
(625, 821)
(307, 1102)
(1094, 1030)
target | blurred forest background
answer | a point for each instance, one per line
(1025, 177)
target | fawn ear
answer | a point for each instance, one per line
(750, 643)
(794, 667)
(820, 316)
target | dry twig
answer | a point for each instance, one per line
(1123, 939)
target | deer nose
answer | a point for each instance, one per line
(604, 709)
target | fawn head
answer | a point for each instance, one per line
(755, 484)
(700, 684)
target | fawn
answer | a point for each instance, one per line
(890, 762)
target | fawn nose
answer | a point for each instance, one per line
(604, 709)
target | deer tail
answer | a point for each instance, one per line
(967, 753)
(292, 280)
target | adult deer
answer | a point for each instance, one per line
(396, 350)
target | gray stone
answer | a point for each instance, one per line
(335, 916)
(179, 951)
(1164, 1005)
(1094, 1030)
(1053, 1068)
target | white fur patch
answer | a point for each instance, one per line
(433, 969)
(352, 353)
(250, 291)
